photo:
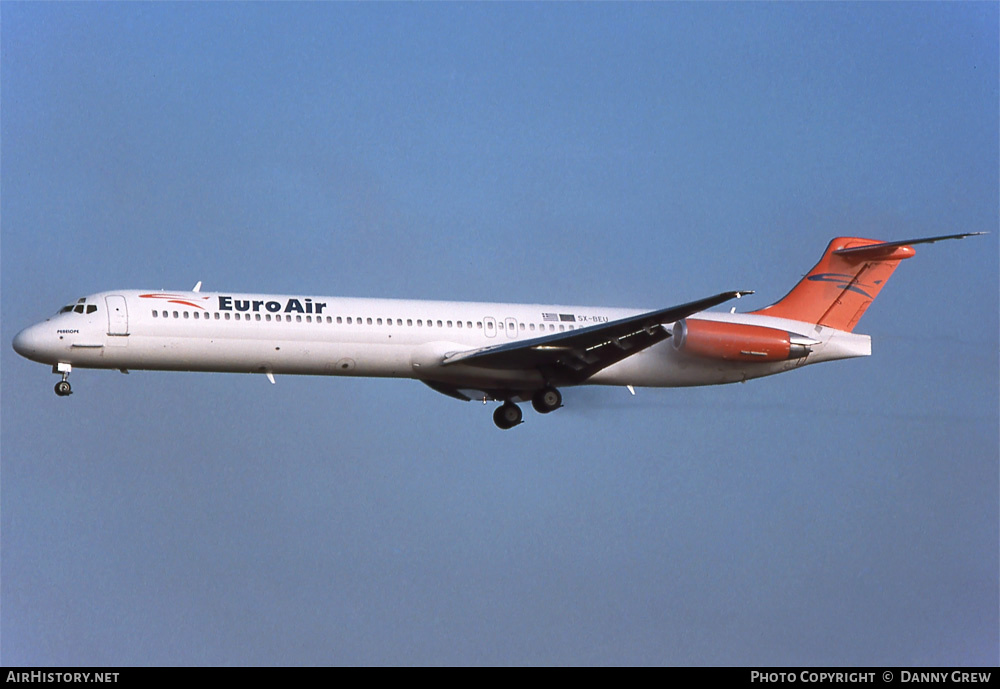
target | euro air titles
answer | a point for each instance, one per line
(306, 305)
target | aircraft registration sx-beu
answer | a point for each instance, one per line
(476, 351)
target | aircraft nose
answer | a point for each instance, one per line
(23, 342)
(27, 343)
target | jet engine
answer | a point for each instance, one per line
(738, 342)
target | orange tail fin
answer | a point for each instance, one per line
(838, 290)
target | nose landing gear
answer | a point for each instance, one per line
(63, 388)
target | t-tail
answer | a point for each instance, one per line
(838, 290)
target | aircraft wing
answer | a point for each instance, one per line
(575, 355)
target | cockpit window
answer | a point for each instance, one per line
(79, 307)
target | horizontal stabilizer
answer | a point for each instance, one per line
(883, 250)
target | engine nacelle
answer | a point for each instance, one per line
(738, 342)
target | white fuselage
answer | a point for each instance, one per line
(294, 334)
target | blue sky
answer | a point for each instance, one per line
(618, 154)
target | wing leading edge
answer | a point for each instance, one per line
(573, 356)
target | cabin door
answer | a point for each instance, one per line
(117, 315)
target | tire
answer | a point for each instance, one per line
(546, 400)
(507, 415)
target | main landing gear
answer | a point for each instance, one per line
(507, 415)
(63, 388)
(544, 401)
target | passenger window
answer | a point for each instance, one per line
(187, 315)
(298, 319)
(379, 321)
(409, 321)
(399, 321)
(258, 316)
(449, 324)
(460, 324)
(267, 317)
(369, 321)
(227, 315)
(439, 324)
(339, 321)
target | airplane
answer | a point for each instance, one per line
(476, 351)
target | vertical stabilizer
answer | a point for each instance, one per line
(851, 273)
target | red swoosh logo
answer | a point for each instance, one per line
(173, 299)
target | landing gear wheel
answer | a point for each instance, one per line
(63, 389)
(546, 400)
(507, 415)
